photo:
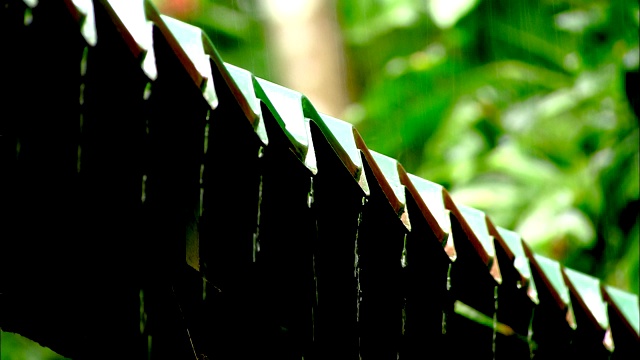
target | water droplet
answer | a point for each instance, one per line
(143, 315)
(206, 138)
(356, 262)
(147, 91)
(315, 277)
(79, 158)
(449, 278)
(256, 234)
(81, 97)
(201, 207)
(403, 260)
(83, 61)
(310, 194)
(28, 17)
(143, 197)
(444, 323)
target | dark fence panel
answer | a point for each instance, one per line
(156, 202)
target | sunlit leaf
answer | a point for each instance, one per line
(446, 13)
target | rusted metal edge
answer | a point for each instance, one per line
(389, 168)
(190, 44)
(550, 271)
(587, 292)
(625, 307)
(396, 203)
(241, 93)
(586, 289)
(476, 225)
(240, 83)
(511, 243)
(339, 135)
(187, 42)
(432, 196)
(286, 107)
(131, 19)
(82, 13)
(405, 179)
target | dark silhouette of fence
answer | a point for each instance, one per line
(156, 202)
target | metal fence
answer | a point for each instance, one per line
(156, 202)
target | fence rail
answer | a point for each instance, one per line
(156, 202)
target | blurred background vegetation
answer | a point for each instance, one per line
(523, 109)
(519, 108)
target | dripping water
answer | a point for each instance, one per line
(444, 313)
(256, 233)
(206, 136)
(81, 99)
(403, 259)
(403, 262)
(28, 16)
(356, 270)
(205, 147)
(143, 321)
(83, 73)
(149, 347)
(143, 195)
(530, 341)
(310, 206)
(143, 313)
(83, 61)
(201, 200)
(146, 96)
(495, 320)
(356, 264)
